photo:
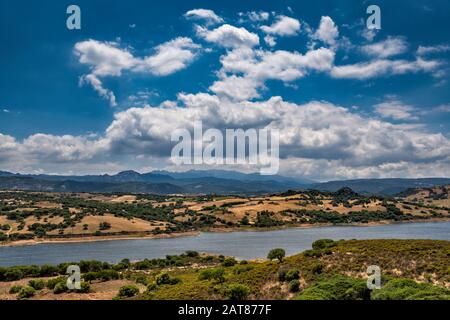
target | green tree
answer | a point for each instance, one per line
(277, 253)
(128, 291)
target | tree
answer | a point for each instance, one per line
(237, 292)
(128, 291)
(277, 253)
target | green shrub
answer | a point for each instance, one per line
(294, 286)
(51, 283)
(216, 274)
(323, 244)
(282, 275)
(36, 284)
(152, 286)
(164, 278)
(237, 292)
(15, 289)
(128, 291)
(407, 289)
(336, 287)
(229, 262)
(317, 268)
(292, 274)
(85, 287)
(26, 292)
(60, 287)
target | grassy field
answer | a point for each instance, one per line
(410, 269)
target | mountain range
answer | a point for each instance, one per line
(201, 182)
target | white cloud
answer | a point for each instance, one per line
(205, 14)
(107, 59)
(229, 36)
(424, 50)
(96, 83)
(396, 110)
(170, 57)
(258, 16)
(260, 66)
(270, 41)
(390, 47)
(284, 26)
(383, 67)
(318, 139)
(327, 31)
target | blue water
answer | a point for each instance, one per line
(244, 245)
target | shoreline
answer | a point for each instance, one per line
(33, 242)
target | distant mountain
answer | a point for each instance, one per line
(204, 182)
(234, 175)
(381, 186)
(158, 182)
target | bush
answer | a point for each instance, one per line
(294, 286)
(13, 274)
(192, 254)
(164, 278)
(282, 275)
(51, 283)
(152, 286)
(407, 289)
(60, 287)
(229, 262)
(85, 287)
(26, 292)
(36, 284)
(237, 292)
(336, 287)
(128, 291)
(277, 253)
(292, 274)
(213, 274)
(317, 268)
(15, 289)
(323, 244)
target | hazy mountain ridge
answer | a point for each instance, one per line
(203, 182)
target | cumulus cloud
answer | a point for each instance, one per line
(311, 135)
(204, 14)
(107, 59)
(424, 50)
(327, 31)
(258, 16)
(228, 36)
(383, 67)
(284, 26)
(259, 66)
(396, 110)
(390, 47)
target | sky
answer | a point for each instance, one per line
(349, 102)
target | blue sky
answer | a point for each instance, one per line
(105, 98)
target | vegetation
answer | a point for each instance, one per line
(277, 253)
(31, 215)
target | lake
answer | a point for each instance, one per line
(243, 245)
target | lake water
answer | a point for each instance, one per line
(243, 245)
